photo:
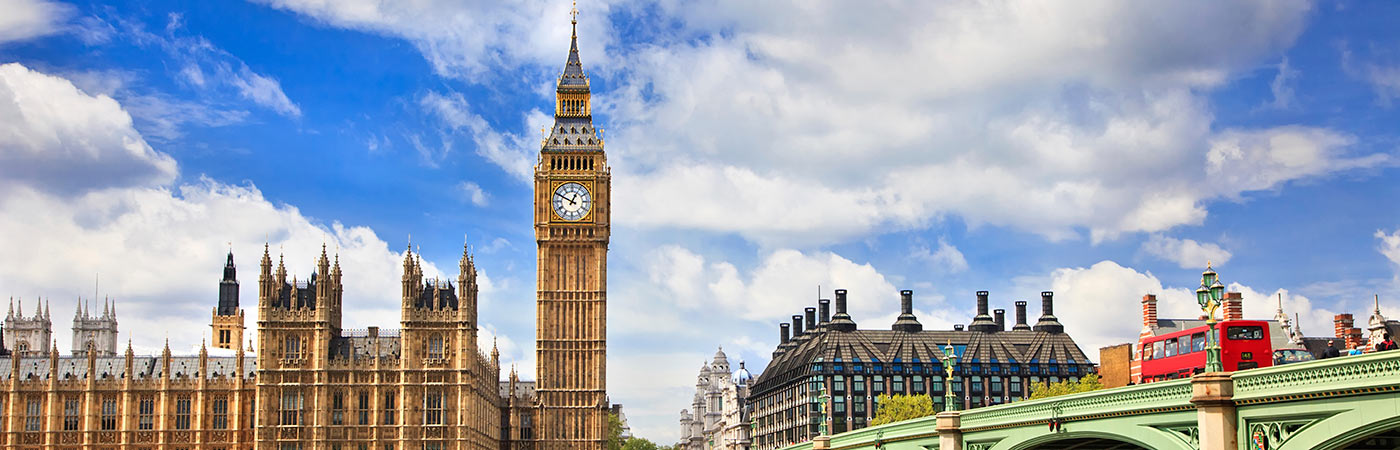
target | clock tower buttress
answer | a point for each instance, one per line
(572, 226)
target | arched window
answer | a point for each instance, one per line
(292, 348)
(435, 346)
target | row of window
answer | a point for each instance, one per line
(109, 417)
(293, 408)
(934, 369)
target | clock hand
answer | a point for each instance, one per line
(571, 201)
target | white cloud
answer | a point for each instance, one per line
(1010, 114)
(27, 19)
(209, 68)
(947, 258)
(1241, 161)
(1282, 87)
(1390, 245)
(1384, 79)
(265, 91)
(473, 193)
(1186, 253)
(60, 139)
(466, 39)
(120, 218)
(772, 291)
(509, 151)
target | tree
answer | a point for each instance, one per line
(637, 443)
(1090, 382)
(898, 408)
(614, 432)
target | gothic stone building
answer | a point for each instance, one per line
(852, 366)
(311, 385)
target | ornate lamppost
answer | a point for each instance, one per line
(1208, 296)
(950, 401)
(821, 404)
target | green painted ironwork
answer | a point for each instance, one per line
(1322, 405)
(1209, 296)
(950, 400)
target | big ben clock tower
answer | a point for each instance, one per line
(572, 211)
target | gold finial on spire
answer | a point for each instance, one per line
(573, 15)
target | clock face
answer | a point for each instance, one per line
(571, 201)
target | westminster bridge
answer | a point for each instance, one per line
(1351, 402)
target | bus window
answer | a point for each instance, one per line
(1198, 342)
(1157, 350)
(1170, 348)
(1243, 333)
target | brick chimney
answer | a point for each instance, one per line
(1149, 311)
(1234, 306)
(1342, 324)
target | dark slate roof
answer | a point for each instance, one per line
(71, 367)
(573, 78)
(363, 347)
(1002, 347)
(573, 134)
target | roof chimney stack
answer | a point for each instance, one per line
(1048, 323)
(811, 318)
(841, 321)
(783, 333)
(796, 326)
(824, 308)
(906, 321)
(1021, 324)
(982, 322)
(1149, 311)
(1000, 319)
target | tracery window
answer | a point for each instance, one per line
(389, 410)
(435, 346)
(292, 348)
(338, 408)
(182, 413)
(70, 414)
(146, 413)
(432, 407)
(291, 407)
(220, 420)
(109, 413)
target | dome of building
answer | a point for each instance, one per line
(742, 377)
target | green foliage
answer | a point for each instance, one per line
(637, 443)
(615, 432)
(898, 408)
(1090, 382)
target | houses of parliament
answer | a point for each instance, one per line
(304, 382)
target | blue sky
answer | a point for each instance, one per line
(758, 151)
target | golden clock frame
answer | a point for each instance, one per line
(554, 187)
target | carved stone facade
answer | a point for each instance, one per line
(572, 226)
(29, 336)
(95, 331)
(311, 384)
(720, 415)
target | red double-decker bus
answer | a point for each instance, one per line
(1244, 344)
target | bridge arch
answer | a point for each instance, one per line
(1122, 438)
(1344, 438)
